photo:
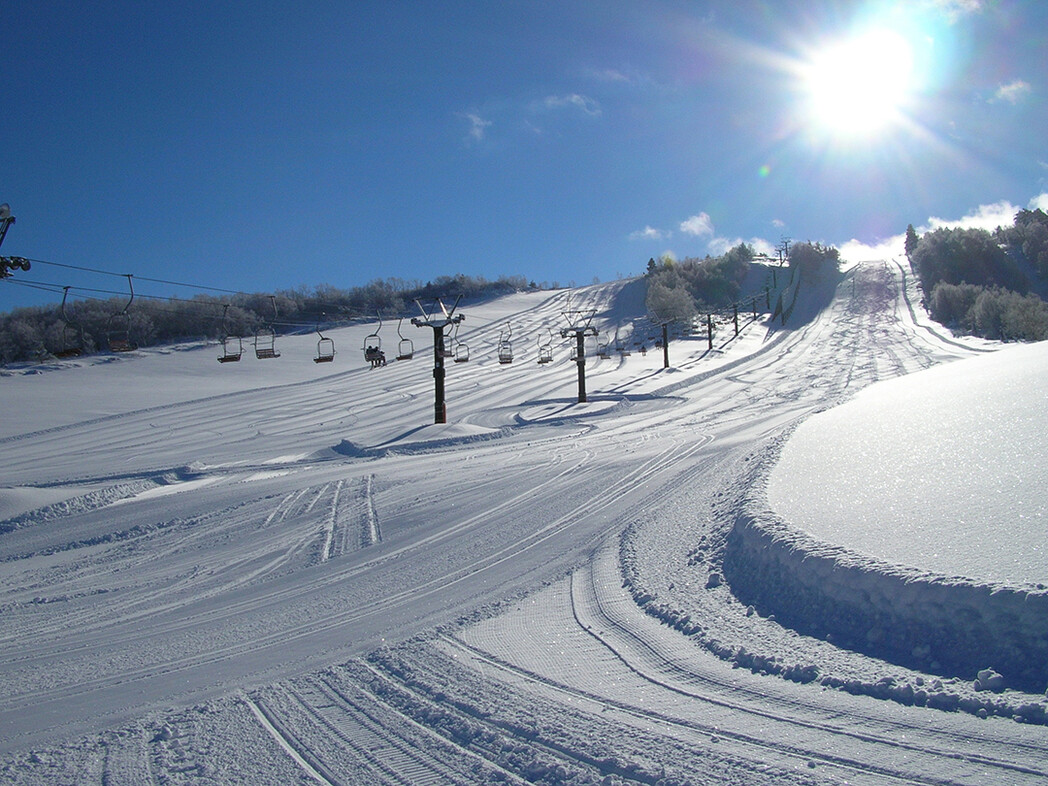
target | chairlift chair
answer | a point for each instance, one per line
(621, 346)
(118, 328)
(232, 346)
(118, 333)
(461, 350)
(266, 337)
(325, 347)
(505, 349)
(602, 347)
(405, 347)
(325, 350)
(232, 349)
(448, 350)
(373, 353)
(546, 350)
(265, 343)
(72, 333)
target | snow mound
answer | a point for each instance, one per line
(16, 500)
(846, 556)
(437, 435)
(854, 475)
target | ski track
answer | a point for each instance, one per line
(216, 604)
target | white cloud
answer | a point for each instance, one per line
(699, 225)
(987, 217)
(607, 75)
(778, 223)
(649, 233)
(584, 103)
(722, 245)
(1039, 202)
(955, 9)
(889, 248)
(1013, 92)
(477, 126)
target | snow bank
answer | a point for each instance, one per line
(942, 470)
(902, 614)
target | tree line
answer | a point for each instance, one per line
(678, 290)
(983, 283)
(40, 332)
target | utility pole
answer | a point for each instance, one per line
(438, 323)
(579, 326)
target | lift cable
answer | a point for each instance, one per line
(140, 278)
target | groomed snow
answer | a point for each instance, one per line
(943, 470)
(307, 581)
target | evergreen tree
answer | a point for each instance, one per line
(911, 241)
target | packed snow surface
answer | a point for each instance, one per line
(945, 469)
(281, 571)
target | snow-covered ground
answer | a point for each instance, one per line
(944, 470)
(283, 572)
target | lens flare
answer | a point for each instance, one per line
(860, 85)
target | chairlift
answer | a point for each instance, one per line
(265, 343)
(72, 333)
(232, 346)
(232, 349)
(602, 347)
(266, 337)
(461, 351)
(620, 345)
(118, 329)
(373, 353)
(448, 348)
(325, 347)
(505, 347)
(405, 348)
(546, 350)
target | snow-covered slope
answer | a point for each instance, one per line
(283, 572)
(943, 470)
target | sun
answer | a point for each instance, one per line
(859, 86)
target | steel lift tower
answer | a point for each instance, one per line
(439, 322)
(580, 327)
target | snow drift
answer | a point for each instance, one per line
(916, 495)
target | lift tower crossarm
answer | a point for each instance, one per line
(438, 324)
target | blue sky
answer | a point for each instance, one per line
(261, 146)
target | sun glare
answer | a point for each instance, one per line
(858, 87)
